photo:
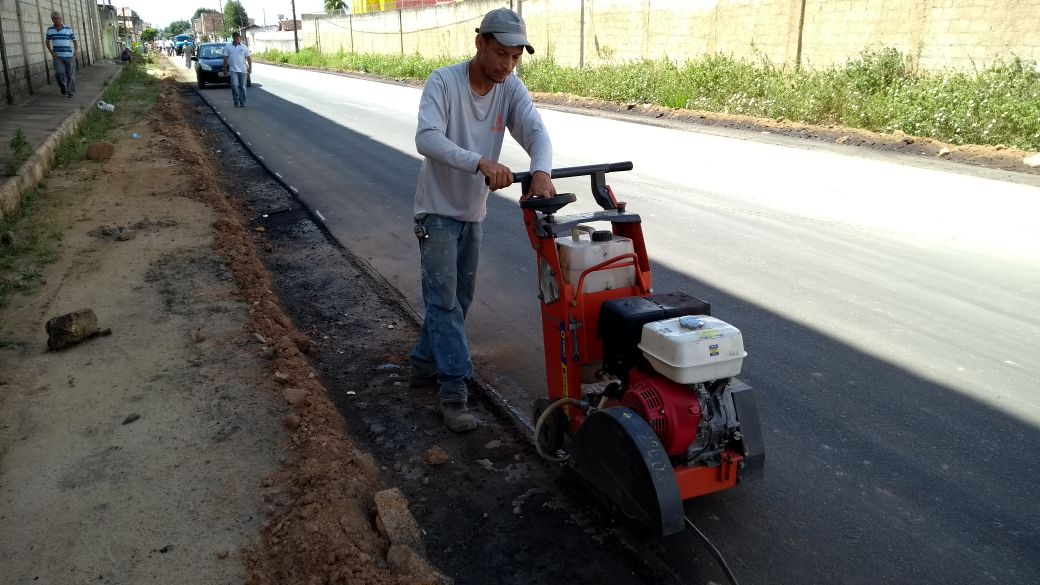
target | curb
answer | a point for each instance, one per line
(41, 160)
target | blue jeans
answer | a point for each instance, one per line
(238, 86)
(65, 74)
(449, 277)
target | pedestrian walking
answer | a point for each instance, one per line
(61, 43)
(464, 112)
(237, 66)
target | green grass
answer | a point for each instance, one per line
(21, 150)
(881, 90)
(392, 66)
(36, 239)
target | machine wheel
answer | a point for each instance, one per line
(202, 84)
(554, 430)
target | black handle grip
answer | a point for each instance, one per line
(581, 171)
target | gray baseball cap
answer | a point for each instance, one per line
(507, 27)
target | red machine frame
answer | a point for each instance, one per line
(571, 321)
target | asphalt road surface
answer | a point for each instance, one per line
(890, 308)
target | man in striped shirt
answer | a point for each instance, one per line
(61, 44)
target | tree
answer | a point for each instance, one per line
(177, 27)
(149, 34)
(334, 6)
(200, 11)
(235, 17)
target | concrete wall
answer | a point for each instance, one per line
(939, 33)
(108, 27)
(25, 63)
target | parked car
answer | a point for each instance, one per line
(209, 65)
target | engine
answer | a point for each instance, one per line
(693, 422)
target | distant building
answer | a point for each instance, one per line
(209, 24)
(109, 25)
(129, 23)
(290, 24)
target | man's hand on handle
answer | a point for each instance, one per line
(499, 176)
(541, 186)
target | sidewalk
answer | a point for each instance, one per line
(46, 118)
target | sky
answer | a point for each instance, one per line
(162, 12)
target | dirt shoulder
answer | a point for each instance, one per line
(195, 444)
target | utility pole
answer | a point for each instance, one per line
(295, 34)
(220, 4)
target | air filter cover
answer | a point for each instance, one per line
(693, 349)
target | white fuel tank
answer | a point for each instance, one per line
(586, 247)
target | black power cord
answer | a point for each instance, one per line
(714, 551)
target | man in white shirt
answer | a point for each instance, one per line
(237, 66)
(464, 112)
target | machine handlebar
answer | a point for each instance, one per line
(600, 191)
(563, 173)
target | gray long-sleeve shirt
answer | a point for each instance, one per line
(457, 128)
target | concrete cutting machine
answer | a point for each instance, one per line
(642, 401)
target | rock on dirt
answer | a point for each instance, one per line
(394, 520)
(101, 150)
(436, 456)
(295, 396)
(71, 328)
(403, 560)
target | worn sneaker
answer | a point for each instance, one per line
(457, 417)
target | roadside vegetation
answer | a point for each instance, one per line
(21, 150)
(134, 90)
(30, 237)
(882, 91)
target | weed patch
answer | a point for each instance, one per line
(390, 66)
(881, 90)
(134, 91)
(21, 150)
(32, 242)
